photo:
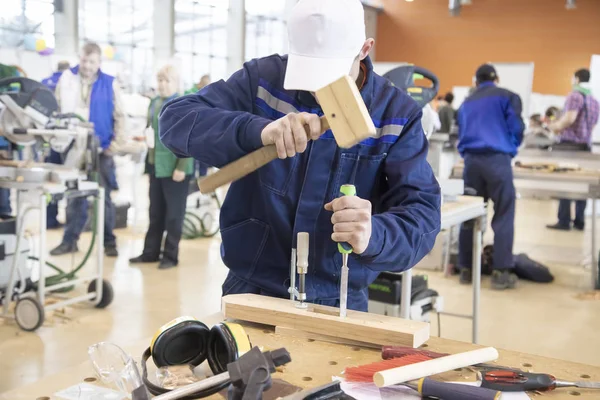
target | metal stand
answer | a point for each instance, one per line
(594, 268)
(41, 193)
(477, 238)
(406, 292)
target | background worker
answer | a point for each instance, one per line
(490, 130)
(575, 127)
(169, 182)
(204, 81)
(391, 223)
(51, 81)
(96, 96)
(446, 113)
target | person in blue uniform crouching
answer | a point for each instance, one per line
(490, 130)
(395, 217)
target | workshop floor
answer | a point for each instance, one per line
(543, 319)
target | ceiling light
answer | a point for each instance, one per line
(571, 5)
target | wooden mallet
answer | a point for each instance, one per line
(345, 113)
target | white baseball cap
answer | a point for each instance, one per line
(325, 38)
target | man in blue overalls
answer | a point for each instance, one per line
(490, 132)
(395, 217)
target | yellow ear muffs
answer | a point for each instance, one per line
(185, 340)
(227, 342)
(181, 341)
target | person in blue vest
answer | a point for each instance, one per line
(490, 130)
(51, 81)
(96, 96)
(393, 220)
(169, 183)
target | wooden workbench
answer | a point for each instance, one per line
(314, 363)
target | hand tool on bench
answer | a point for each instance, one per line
(427, 387)
(423, 369)
(249, 376)
(345, 249)
(345, 113)
(518, 381)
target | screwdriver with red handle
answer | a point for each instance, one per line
(518, 381)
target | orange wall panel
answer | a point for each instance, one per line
(557, 40)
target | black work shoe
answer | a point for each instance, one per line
(64, 248)
(466, 276)
(142, 259)
(166, 264)
(504, 279)
(559, 227)
(111, 251)
(579, 227)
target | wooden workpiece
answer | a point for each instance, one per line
(315, 362)
(358, 326)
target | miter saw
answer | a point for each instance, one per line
(404, 77)
(30, 123)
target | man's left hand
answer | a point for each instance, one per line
(351, 221)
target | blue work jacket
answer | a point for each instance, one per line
(263, 212)
(489, 121)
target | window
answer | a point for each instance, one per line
(23, 21)
(124, 29)
(201, 39)
(266, 29)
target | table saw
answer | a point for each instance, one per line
(30, 122)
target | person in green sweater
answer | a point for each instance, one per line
(169, 182)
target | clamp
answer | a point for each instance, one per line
(299, 265)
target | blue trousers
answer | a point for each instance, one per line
(491, 176)
(233, 285)
(5, 208)
(564, 213)
(77, 207)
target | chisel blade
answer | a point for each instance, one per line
(589, 385)
(344, 286)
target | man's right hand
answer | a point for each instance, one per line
(289, 135)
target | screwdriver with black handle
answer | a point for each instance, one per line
(345, 249)
(428, 388)
(518, 381)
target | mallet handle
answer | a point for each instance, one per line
(245, 165)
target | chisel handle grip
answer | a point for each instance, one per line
(346, 190)
(454, 391)
(517, 381)
(245, 165)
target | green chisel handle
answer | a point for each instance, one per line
(346, 190)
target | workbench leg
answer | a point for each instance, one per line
(99, 244)
(447, 249)
(477, 237)
(406, 291)
(595, 277)
(41, 289)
